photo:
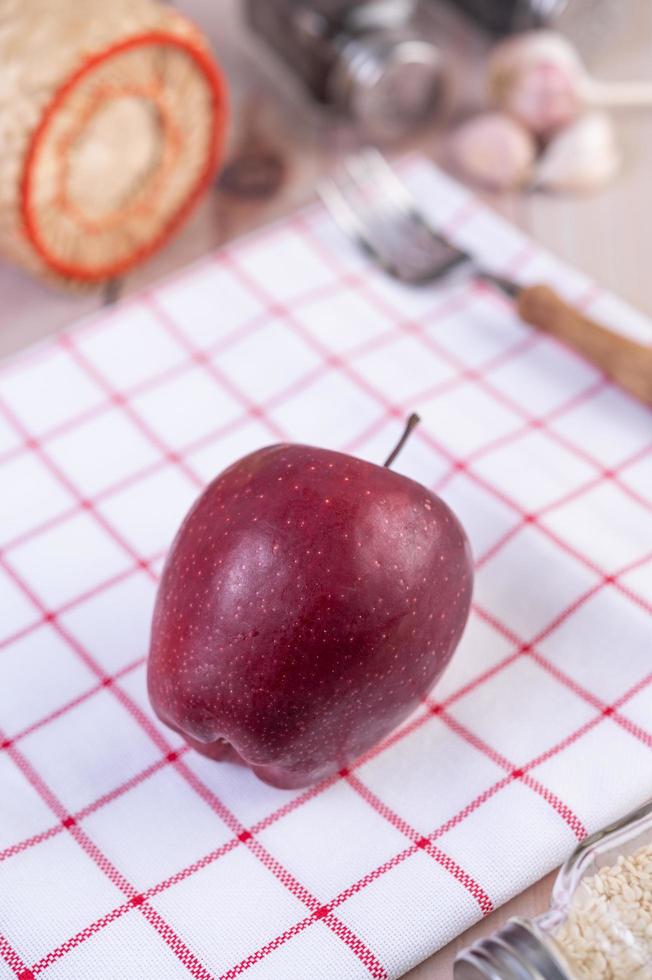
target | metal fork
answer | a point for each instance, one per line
(374, 208)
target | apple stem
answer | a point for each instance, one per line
(413, 421)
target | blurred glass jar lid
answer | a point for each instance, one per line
(388, 81)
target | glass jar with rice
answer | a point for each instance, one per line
(599, 924)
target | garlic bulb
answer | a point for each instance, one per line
(582, 157)
(539, 78)
(493, 150)
(536, 77)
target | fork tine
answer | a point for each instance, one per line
(396, 189)
(372, 162)
(350, 222)
(370, 166)
(374, 208)
(378, 194)
(342, 210)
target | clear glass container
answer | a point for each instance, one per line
(599, 924)
(502, 16)
(370, 61)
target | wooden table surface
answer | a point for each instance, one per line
(285, 146)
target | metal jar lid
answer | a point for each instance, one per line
(388, 81)
(516, 952)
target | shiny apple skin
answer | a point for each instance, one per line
(308, 603)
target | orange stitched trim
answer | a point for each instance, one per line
(218, 89)
(171, 141)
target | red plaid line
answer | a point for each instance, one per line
(500, 441)
(219, 377)
(288, 880)
(48, 616)
(175, 943)
(72, 703)
(222, 430)
(224, 343)
(328, 364)
(82, 503)
(392, 410)
(424, 843)
(118, 399)
(566, 498)
(522, 648)
(480, 377)
(13, 960)
(516, 772)
(529, 648)
(107, 868)
(32, 776)
(338, 900)
(97, 804)
(261, 411)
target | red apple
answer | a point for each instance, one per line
(308, 603)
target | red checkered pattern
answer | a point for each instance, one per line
(124, 854)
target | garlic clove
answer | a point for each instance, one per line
(582, 157)
(531, 47)
(539, 78)
(493, 150)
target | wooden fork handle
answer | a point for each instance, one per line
(625, 361)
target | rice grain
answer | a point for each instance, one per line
(608, 932)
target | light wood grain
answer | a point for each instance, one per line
(608, 235)
(626, 362)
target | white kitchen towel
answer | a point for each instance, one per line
(122, 853)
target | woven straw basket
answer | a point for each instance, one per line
(112, 118)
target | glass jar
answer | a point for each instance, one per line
(502, 16)
(592, 25)
(599, 924)
(369, 61)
